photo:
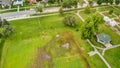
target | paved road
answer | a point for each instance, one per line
(22, 14)
(16, 14)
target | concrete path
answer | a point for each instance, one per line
(86, 1)
(78, 14)
(105, 49)
(107, 64)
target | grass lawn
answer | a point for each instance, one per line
(20, 49)
(113, 57)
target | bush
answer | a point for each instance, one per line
(5, 28)
(39, 9)
(70, 21)
(110, 11)
(87, 10)
(61, 10)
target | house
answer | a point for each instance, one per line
(5, 3)
(16, 2)
(104, 39)
(109, 21)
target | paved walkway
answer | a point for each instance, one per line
(105, 49)
(107, 64)
(78, 14)
(86, 1)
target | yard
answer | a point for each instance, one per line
(20, 49)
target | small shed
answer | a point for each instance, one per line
(103, 38)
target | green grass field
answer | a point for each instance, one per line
(20, 49)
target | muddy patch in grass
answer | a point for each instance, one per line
(59, 48)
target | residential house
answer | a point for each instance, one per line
(109, 21)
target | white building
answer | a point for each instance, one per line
(109, 21)
(5, 3)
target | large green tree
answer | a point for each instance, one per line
(87, 9)
(70, 3)
(117, 2)
(5, 28)
(91, 26)
(87, 31)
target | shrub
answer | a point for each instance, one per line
(70, 21)
(61, 10)
(87, 9)
(39, 9)
(110, 11)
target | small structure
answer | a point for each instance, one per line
(109, 21)
(104, 39)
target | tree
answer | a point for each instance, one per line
(110, 11)
(111, 1)
(99, 2)
(81, 2)
(91, 26)
(87, 9)
(117, 2)
(5, 28)
(39, 9)
(70, 20)
(90, 2)
(97, 19)
(87, 31)
(70, 3)
(61, 10)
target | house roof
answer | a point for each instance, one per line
(6, 2)
(104, 38)
(106, 18)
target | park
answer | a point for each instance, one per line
(76, 34)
